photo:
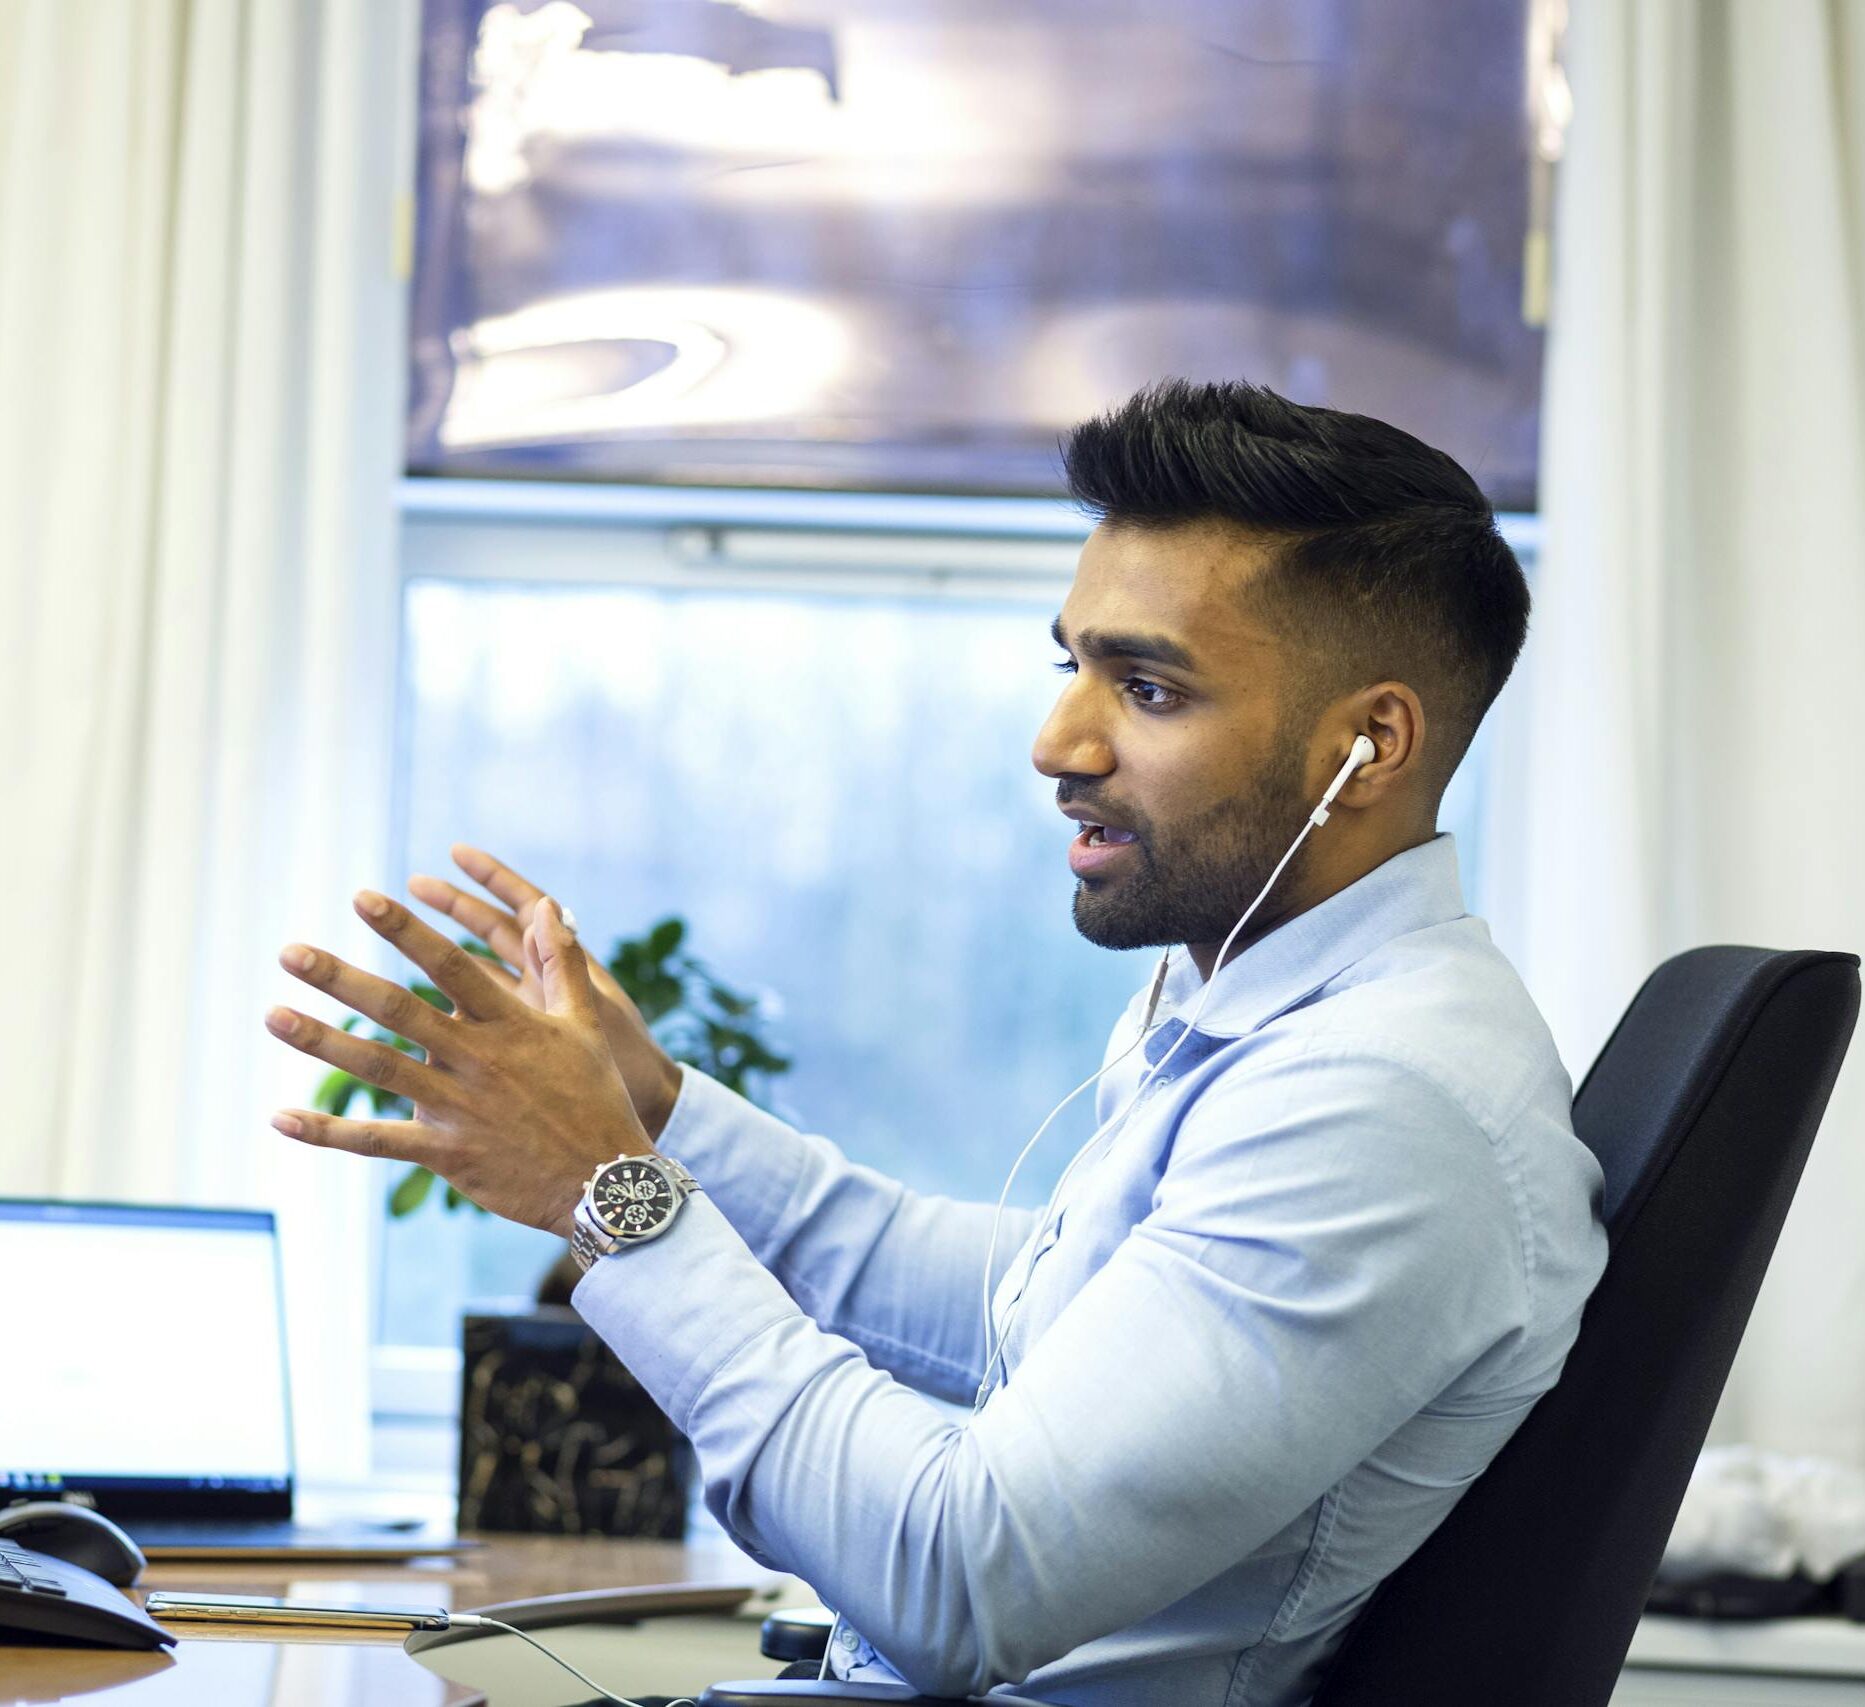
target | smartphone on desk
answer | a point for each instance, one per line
(263, 1611)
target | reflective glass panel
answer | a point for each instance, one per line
(902, 244)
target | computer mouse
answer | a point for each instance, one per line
(75, 1534)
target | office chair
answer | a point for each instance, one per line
(1701, 1109)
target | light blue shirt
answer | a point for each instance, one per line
(1316, 1280)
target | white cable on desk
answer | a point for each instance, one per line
(474, 1621)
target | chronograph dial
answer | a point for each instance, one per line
(631, 1196)
(626, 1202)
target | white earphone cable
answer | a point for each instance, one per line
(994, 1338)
(478, 1621)
(990, 1255)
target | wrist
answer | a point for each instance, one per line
(630, 1141)
(628, 1202)
(667, 1092)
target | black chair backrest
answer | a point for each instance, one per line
(1701, 1109)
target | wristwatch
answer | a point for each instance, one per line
(627, 1202)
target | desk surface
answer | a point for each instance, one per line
(318, 1670)
(313, 1670)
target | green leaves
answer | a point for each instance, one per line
(693, 1016)
(410, 1191)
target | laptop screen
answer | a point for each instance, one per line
(145, 1358)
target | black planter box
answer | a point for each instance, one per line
(557, 1438)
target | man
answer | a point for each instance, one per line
(1288, 1308)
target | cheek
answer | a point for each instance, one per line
(1195, 796)
(1175, 783)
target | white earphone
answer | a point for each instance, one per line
(1361, 753)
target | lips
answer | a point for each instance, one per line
(1098, 844)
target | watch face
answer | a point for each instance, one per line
(631, 1197)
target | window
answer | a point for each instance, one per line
(835, 243)
(824, 768)
(704, 291)
(832, 787)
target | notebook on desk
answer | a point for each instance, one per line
(181, 1433)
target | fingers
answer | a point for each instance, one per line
(373, 1063)
(495, 927)
(518, 893)
(501, 971)
(405, 1140)
(464, 977)
(562, 968)
(374, 998)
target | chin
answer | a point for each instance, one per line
(1105, 923)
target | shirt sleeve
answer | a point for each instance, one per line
(900, 1273)
(1329, 1248)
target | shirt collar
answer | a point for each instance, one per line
(1411, 891)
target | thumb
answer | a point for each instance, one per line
(561, 966)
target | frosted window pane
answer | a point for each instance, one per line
(836, 793)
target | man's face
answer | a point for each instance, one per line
(1170, 728)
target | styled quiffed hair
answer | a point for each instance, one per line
(1387, 564)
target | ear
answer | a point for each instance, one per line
(1392, 717)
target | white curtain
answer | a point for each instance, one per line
(200, 376)
(1681, 755)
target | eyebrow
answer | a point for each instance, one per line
(1149, 648)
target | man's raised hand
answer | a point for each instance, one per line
(515, 1105)
(651, 1074)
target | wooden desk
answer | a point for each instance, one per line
(318, 1670)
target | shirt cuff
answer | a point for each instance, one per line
(747, 1159)
(677, 1309)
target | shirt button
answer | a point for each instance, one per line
(850, 1637)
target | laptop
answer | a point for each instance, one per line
(180, 1433)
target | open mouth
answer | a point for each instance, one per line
(1099, 845)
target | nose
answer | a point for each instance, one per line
(1070, 742)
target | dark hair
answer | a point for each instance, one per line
(1388, 565)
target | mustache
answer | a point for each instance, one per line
(1118, 817)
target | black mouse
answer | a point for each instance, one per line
(75, 1534)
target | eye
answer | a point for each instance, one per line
(1065, 665)
(1167, 700)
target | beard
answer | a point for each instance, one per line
(1192, 880)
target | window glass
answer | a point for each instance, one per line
(902, 244)
(836, 794)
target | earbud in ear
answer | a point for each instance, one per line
(1362, 753)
